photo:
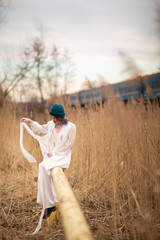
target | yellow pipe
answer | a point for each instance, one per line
(75, 225)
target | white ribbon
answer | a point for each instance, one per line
(27, 155)
(30, 158)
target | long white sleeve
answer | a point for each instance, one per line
(36, 127)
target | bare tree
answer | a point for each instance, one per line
(130, 66)
(97, 83)
(101, 81)
(53, 71)
(36, 52)
(89, 84)
(38, 65)
(10, 78)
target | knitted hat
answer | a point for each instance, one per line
(57, 111)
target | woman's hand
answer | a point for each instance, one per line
(26, 120)
(49, 155)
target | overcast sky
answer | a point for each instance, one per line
(92, 30)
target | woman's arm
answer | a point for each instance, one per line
(27, 120)
(35, 126)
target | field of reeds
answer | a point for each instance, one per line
(114, 173)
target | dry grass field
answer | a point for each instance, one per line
(114, 173)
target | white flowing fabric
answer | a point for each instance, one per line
(58, 146)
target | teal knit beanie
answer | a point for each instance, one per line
(57, 111)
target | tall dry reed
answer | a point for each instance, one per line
(115, 172)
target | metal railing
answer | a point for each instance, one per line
(75, 225)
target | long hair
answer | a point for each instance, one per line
(63, 121)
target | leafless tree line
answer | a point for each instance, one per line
(39, 65)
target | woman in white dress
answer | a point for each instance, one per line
(56, 144)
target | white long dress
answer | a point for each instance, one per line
(58, 145)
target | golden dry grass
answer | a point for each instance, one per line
(114, 173)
